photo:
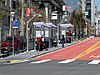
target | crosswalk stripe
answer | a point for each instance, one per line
(94, 62)
(41, 61)
(67, 61)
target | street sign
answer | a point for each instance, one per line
(54, 16)
(15, 24)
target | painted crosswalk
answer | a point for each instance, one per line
(41, 61)
(94, 62)
(67, 61)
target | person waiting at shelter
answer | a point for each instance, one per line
(41, 45)
(69, 37)
(38, 43)
(63, 41)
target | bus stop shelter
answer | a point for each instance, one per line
(67, 30)
(44, 30)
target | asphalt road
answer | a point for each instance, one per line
(79, 67)
(80, 59)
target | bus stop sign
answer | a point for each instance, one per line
(15, 24)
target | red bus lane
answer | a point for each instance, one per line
(95, 55)
(81, 51)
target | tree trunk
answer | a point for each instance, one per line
(22, 20)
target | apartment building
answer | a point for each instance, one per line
(90, 8)
(82, 5)
(73, 4)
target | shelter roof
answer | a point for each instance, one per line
(66, 25)
(49, 25)
(40, 24)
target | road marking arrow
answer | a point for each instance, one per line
(89, 50)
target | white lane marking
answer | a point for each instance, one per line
(94, 62)
(41, 61)
(67, 61)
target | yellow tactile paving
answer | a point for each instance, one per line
(14, 61)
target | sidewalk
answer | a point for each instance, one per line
(26, 56)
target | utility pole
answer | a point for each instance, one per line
(58, 27)
(10, 18)
(22, 19)
(46, 10)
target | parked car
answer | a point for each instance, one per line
(7, 44)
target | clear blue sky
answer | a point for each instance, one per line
(98, 4)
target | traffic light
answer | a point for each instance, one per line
(13, 4)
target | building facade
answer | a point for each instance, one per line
(51, 6)
(88, 9)
(73, 4)
(4, 18)
(98, 23)
(91, 9)
(82, 5)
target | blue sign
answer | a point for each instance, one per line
(15, 24)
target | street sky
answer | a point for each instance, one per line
(98, 4)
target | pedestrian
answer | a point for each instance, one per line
(41, 45)
(63, 41)
(37, 48)
(38, 43)
(45, 46)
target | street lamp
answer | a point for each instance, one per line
(27, 29)
(12, 15)
(58, 29)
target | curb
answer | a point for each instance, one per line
(4, 61)
(13, 62)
